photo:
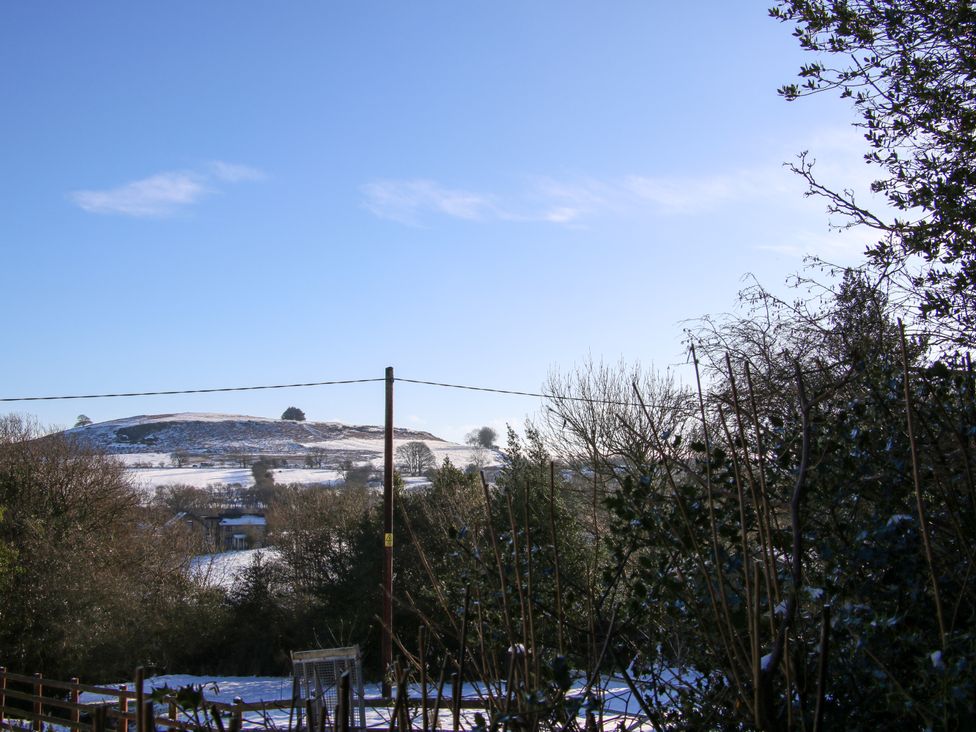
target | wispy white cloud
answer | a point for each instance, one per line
(838, 247)
(570, 202)
(692, 195)
(766, 189)
(233, 173)
(156, 195)
(407, 201)
(164, 193)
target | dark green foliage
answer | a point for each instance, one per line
(293, 413)
(330, 564)
(735, 538)
(520, 553)
(908, 68)
(264, 485)
(873, 564)
(260, 622)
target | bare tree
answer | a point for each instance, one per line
(315, 457)
(415, 458)
(240, 458)
(605, 417)
(88, 558)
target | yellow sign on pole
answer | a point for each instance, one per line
(387, 539)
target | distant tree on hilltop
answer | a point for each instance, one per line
(293, 413)
(83, 420)
(483, 437)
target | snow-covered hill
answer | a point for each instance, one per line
(226, 434)
(219, 448)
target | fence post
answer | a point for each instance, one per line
(403, 718)
(237, 715)
(172, 715)
(422, 652)
(343, 708)
(457, 687)
(123, 708)
(140, 699)
(38, 701)
(148, 716)
(100, 718)
(75, 699)
(456, 701)
(3, 692)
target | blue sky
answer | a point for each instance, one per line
(199, 195)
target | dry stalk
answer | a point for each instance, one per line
(425, 562)
(560, 619)
(920, 505)
(502, 584)
(752, 611)
(734, 650)
(766, 515)
(523, 616)
(764, 711)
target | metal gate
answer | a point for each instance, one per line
(317, 674)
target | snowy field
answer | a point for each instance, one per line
(148, 479)
(146, 473)
(223, 568)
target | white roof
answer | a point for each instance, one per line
(243, 521)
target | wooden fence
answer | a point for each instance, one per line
(28, 703)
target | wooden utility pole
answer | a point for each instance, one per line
(387, 643)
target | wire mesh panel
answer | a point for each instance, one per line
(316, 675)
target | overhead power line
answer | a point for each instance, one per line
(474, 388)
(538, 395)
(185, 391)
(522, 393)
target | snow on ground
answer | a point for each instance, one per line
(151, 478)
(144, 459)
(307, 476)
(460, 455)
(619, 708)
(140, 419)
(223, 568)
